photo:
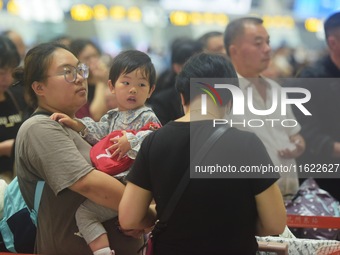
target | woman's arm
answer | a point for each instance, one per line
(135, 211)
(99, 77)
(98, 105)
(101, 188)
(271, 212)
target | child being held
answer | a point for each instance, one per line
(131, 81)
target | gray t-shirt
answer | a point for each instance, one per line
(49, 151)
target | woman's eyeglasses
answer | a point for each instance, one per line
(70, 72)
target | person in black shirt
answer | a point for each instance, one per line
(11, 112)
(214, 215)
(322, 130)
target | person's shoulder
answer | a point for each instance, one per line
(111, 112)
(145, 108)
(172, 129)
(271, 82)
(37, 123)
(107, 117)
(41, 120)
(309, 71)
(144, 111)
(317, 69)
(141, 116)
(241, 138)
(231, 134)
(242, 134)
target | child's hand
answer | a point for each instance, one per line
(120, 147)
(67, 121)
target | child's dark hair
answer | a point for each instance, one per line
(130, 60)
(205, 65)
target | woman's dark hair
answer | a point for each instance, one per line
(130, 60)
(205, 65)
(36, 64)
(77, 46)
(9, 56)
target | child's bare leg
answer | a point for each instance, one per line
(99, 243)
(101, 246)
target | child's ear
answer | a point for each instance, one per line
(111, 87)
(151, 90)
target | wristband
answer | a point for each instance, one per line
(83, 133)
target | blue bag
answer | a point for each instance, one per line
(18, 225)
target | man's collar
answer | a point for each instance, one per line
(243, 82)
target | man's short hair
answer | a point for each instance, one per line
(236, 28)
(332, 23)
(205, 37)
(182, 48)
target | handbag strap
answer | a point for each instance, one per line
(15, 102)
(37, 195)
(40, 184)
(170, 207)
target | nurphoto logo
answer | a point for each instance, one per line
(241, 102)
